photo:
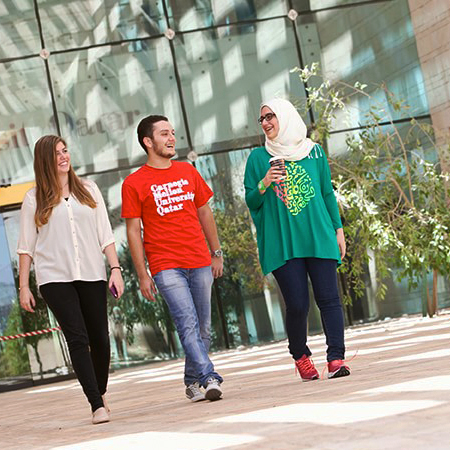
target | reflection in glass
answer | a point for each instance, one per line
(80, 23)
(43, 355)
(14, 365)
(371, 45)
(313, 5)
(25, 115)
(246, 306)
(227, 72)
(139, 330)
(19, 34)
(103, 92)
(192, 14)
(337, 145)
(7, 285)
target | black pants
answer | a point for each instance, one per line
(81, 310)
(292, 278)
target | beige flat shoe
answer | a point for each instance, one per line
(100, 415)
(105, 403)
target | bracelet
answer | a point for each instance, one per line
(117, 267)
(261, 186)
(26, 286)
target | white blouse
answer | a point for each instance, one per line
(70, 245)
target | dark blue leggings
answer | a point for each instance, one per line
(293, 282)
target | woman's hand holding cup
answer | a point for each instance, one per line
(277, 171)
(273, 175)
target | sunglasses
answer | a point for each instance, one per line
(268, 117)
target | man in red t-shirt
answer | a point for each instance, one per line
(170, 198)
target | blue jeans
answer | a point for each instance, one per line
(293, 282)
(187, 293)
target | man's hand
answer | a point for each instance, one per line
(217, 266)
(208, 224)
(148, 288)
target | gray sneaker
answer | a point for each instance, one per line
(194, 394)
(213, 390)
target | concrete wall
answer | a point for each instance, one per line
(431, 21)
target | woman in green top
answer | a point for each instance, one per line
(299, 231)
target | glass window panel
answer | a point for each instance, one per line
(249, 305)
(25, 115)
(193, 14)
(139, 330)
(370, 44)
(14, 363)
(337, 146)
(102, 93)
(313, 5)
(71, 24)
(226, 73)
(44, 355)
(19, 34)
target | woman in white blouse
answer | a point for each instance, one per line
(64, 230)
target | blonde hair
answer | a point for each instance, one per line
(48, 189)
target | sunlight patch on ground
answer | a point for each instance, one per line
(369, 351)
(441, 353)
(51, 389)
(439, 383)
(420, 339)
(330, 413)
(165, 440)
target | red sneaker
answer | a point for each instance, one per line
(306, 368)
(337, 369)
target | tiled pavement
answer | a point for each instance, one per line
(397, 397)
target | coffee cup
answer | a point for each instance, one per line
(278, 162)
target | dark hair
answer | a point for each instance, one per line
(145, 128)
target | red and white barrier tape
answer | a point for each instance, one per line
(29, 333)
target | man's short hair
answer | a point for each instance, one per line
(146, 126)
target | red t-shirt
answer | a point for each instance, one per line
(167, 201)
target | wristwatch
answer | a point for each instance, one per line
(217, 253)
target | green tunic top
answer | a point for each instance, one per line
(296, 218)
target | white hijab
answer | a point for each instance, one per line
(291, 142)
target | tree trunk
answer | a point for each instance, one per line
(342, 280)
(429, 307)
(435, 294)
(432, 299)
(240, 312)
(222, 318)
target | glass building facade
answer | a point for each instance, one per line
(90, 70)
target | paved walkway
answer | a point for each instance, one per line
(397, 397)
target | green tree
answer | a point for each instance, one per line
(391, 188)
(14, 355)
(137, 310)
(242, 273)
(35, 321)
